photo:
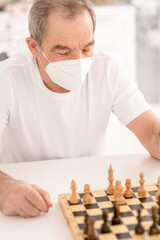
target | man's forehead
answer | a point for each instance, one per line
(70, 33)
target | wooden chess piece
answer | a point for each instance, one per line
(87, 197)
(128, 192)
(91, 235)
(141, 190)
(117, 184)
(158, 192)
(116, 217)
(74, 197)
(154, 229)
(120, 199)
(139, 229)
(105, 227)
(86, 224)
(110, 189)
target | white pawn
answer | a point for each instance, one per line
(141, 190)
(128, 193)
(120, 200)
(158, 192)
(117, 184)
(74, 197)
(87, 197)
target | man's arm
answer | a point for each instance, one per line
(21, 198)
(147, 128)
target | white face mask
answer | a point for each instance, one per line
(69, 74)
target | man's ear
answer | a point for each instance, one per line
(32, 45)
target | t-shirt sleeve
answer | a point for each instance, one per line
(4, 102)
(128, 100)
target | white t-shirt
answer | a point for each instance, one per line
(38, 124)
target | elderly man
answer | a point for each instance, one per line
(56, 102)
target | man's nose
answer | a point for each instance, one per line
(77, 55)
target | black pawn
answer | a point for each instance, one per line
(91, 235)
(116, 217)
(86, 224)
(105, 227)
(139, 229)
(154, 229)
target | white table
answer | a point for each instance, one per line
(55, 176)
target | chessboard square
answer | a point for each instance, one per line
(97, 218)
(136, 206)
(99, 193)
(149, 205)
(154, 199)
(144, 212)
(108, 210)
(120, 228)
(152, 193)
(81, 226)
(91, 206)
(93, 201)
(111, 198)
(132, 201)
(127, 214)
(107, 236)
(123, 236)
(147, 199)
(135, 189)
(147, 224)
(124, 208)
(105, 205)
(80, 219)
(146, 218)
(129, 220)
(77, 208)
(147, 195)
(80, 213)
(131, 226)
(94, 212)
(151, 187)
(98, 224)
(102, 199)
(82, 194)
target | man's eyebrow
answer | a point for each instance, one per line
(60, 47)
(63, 47)
(90, 43)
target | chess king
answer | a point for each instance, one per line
(56, 101)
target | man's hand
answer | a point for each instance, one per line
(23, 199)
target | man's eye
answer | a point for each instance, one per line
(63, 54)
(85, 50)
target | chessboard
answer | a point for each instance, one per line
(101, 201)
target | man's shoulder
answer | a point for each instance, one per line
(103, 59)
(16, 61)
(105, 63)
(16, 68)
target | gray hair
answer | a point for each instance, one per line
(41, 9)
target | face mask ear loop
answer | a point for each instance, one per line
(43, 53)
(44, 57)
